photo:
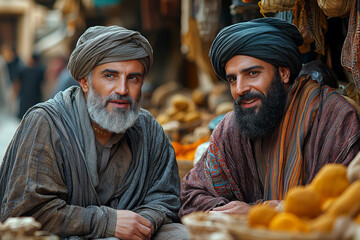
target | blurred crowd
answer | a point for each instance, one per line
(28, 82)
(24, 83)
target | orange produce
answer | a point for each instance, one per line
(330, 181)
(261, 215)
(347, 201)
(303, 202)
(323, 223)
(288, 222)
(187, 151)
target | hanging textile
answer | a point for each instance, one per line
(312, 23)
(350, 54)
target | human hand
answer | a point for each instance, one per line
(132, 226)
(234, 207)
(277, 204)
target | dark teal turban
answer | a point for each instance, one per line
(100, 44)
(269, 39)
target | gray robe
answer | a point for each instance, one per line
(49, 171)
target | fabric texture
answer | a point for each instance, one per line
(50, 172)
(319, 127)
(350, 54)
(31, 79)
(269, 39)
(99, 45)
(312, 23)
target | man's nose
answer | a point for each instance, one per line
(121, 87)
(241, 86)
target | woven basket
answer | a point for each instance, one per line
(203, 225)
(335, 8)
(276, 5)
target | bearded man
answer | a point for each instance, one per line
(283, 128)
(90, 163)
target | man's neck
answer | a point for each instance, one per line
(102, 135)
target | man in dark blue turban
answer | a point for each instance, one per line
(269, 39)
(283, 129)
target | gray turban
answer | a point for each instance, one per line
(269, 39)
(100, 44)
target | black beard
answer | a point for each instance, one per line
(258, 124)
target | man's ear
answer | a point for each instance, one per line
(284, 74)
(84, 83)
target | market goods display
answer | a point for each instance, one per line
(327, 208)
(23, 228)
(181, 108)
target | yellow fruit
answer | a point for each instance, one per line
(330, 181)
(327, 203)
(324, 223)
(288, 222)
(347, 201)
(261, 215)
(303, 202)
(357, 219)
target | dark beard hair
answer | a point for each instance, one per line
(258, 124)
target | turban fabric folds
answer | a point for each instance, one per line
(100, 44)
(269, 39)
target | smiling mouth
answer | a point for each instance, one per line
(250, 103)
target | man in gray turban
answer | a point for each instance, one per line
(283, 129)
(90, 163)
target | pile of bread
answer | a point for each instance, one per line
(181, 108)
(23, 228)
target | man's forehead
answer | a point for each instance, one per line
(120, 66)
(244, 63)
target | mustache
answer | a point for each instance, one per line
(248, 96)
(117, 96)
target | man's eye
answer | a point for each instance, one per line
(231, 80)
(135, 78)
(253, 73)
(109, 75)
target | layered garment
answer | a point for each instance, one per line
(50, 172)
(319, 126)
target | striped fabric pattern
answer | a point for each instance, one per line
(318, 127)
(285, 160)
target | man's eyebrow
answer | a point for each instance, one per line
(252, 68)
(229, 75)
(109, 70)
(246, 70)
(137, 74)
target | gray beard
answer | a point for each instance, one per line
(117, 121)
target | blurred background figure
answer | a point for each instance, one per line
(8, 123)
(14, 63)
(4, 84)
(64, 81)
(14, 67)
(55, 65)
(27, 87)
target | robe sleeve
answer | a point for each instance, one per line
(32, 184)
(206, 186)
(161, 202)
(335, 135)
